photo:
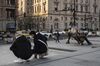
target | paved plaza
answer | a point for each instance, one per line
(60, 54)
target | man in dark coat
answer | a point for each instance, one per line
(22, 48)
(40, 44)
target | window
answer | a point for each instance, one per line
(12, 2)
(8, 2)
(81, 1)
(10, 13)
(71, 18)
(56, 9)
(95, 19)
(82, 19)
(82, 24)
(56, 25)
(35, 9)
(35, 1)
(65, 6)
(81, 8)
(44, 7)
(61, 18)
(50, 17)
(39, 8)
(86, 1)
(56, 3)
(76, 7)
(38, 1)
(86, 8)
(76, 0)
(65, 25)
(65, 18)
(43, 25)
(95, 6)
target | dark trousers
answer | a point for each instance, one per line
(89, 43)
(69, 37)
(57, 39)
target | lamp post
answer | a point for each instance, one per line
(85, 21)
(99, 20)
(74, 14)
(73, 24)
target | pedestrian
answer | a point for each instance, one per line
(57, 35)
(22, 48)
(81, 37)
(77, 37)
(86, 39)
(69, 36)
(40, 45)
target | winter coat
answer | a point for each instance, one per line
(40, 44)
(22, 48)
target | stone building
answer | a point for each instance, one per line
(25, 14)
(52, 15)
(58, 14)
(94, 15)
(7, 15)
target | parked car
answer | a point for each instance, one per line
(98, 33)
(48, 35)
(92, 34)
(60, 32)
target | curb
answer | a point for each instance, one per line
(62, 49)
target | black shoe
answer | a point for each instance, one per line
(89, 44)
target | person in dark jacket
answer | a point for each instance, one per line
(40, 44)
(57, 36)
(69, 36)
(22, 48)
(81, 37)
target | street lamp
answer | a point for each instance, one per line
(74, 13)
(85, 21)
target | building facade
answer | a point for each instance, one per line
(7, 15)
(25, 14)
(52, 15)
(95, 12)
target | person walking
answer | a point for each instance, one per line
(81, 37)
(40, 45)
(69, 36)
(57, 37)
(86, 39)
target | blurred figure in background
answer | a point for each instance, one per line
(57, 35)
(69, 36)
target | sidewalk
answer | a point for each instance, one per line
(74, 46)
(68, 50)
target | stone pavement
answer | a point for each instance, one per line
(74, 46)
(72, 49)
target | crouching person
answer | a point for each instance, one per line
(40, 45)
(21, 48)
